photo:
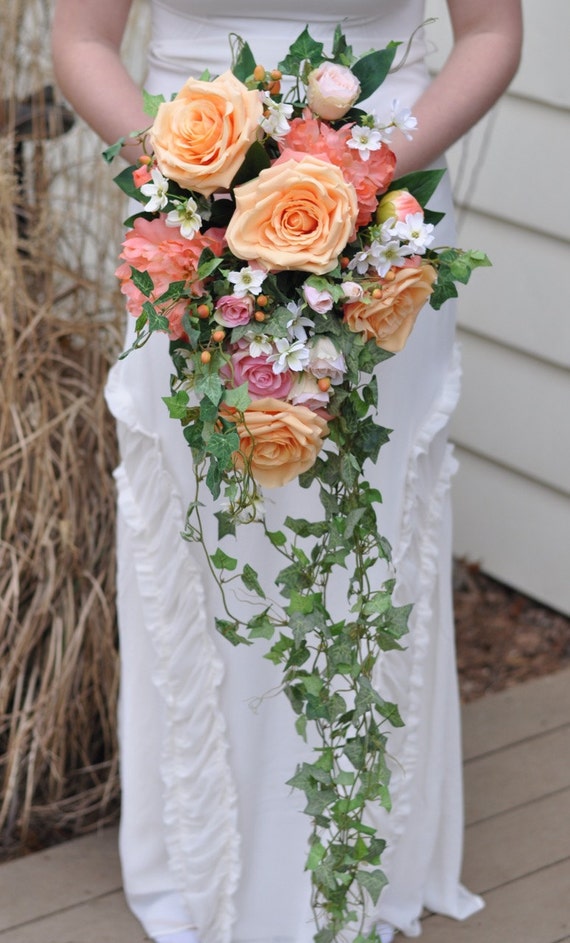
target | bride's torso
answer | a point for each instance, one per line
(189, 36)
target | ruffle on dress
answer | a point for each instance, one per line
(200, 803)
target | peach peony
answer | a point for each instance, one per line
(390, 318)
(298, 214)
(201, 137)
(280, 440)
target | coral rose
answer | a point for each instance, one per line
(280, 440)
(200, 138)
(390, 318)
(297, 214)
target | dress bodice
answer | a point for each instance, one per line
(190, 36)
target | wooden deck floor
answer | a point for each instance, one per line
(517, 854)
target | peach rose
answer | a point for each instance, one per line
(390, 318)
(201, 137)
(332, 90)
(281, 440)
(297, 214)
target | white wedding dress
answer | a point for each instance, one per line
(211, 838)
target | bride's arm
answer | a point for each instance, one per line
(86, 40)
(485, 56)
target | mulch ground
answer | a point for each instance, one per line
(503, 637)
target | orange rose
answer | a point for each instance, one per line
(390, 318)
(298, 214)
(280, 440)
(201, 137)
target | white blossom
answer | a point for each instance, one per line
(417, 233)
(157, 191)
(258, 344)
(385, 255)
(186, 216)
(403, 119)
(296, 326)
(288, 356)
(247, 281)
(274, 122)
(365, 140)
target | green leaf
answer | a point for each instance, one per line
(125, 182)
(373, 882)
(316, 855)
(261, 626)
(421, 183)
(156, 321)
(151, 103)
(222, 561)
(244, 62)
(143, 281)
(304, 48)
(372, 69)
(230, 631)
(301, 726)
(111, 152)
(255, 160)
(238, 398)
(277, 537)
(250, 580)
(208, 263)
(222, 445)
(305, 528)
(210, 385)
(226, 524)
(177, 405)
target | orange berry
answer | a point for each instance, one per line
(218, 336)
(203, 311)
(390, 275)
(324, 384)
(344, 260)
(145, 159)
(205, 356)
(276, 74)
(259, 73)
(377, 293)
(274, 88)
(262, 300)
(259, 315)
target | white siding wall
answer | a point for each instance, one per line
(512, 428)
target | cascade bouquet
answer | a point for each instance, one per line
(284, 260)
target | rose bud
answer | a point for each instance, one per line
(397, 204)
(332, 90)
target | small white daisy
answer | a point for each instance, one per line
(247, 281)
(157, 191)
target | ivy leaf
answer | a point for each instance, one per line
(261, 626)
(250, 580)
(156, 321)
(177, 405)
(373, 882)
(151, 103)
(222, 561)
(111, 152)
(238, 398)
(277, 537)
(304, 48)
(210, 385)
(143, 281)
(222, 445)
(226, 524)
(316, 855)
(230, 631)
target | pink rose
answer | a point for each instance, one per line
(326, 361)
(258, 373)
(232, 311)
(352, 291)
(332, 90)
(319, 301)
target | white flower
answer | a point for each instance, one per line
(403, 119)
(306, 392)
(274, 122)
(185, 216)
(258, 344)
(416, 232)
(296, 326)
(365, 140)
(288, 356)
(385, 255)
(247, 281)
(157, 191)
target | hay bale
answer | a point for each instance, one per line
(60, 325)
